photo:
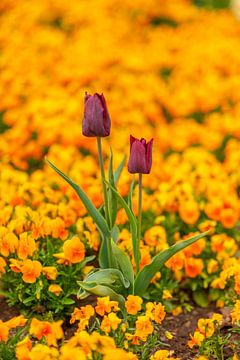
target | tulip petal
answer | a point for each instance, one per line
(137, 161)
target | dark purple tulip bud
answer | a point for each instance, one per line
(140, 160)
(96, 121)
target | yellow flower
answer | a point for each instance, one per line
(43, 352)
(166, 294)
(162, 355)
(23, 348)
(196, 339)
(70, 353)
(206, 327)
(110, 322)
(143, 327)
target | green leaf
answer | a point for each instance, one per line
(101, 290)
(118, 171)
(200, 298)
(93, 212)
(144, 277)
(85, 261)
(133, 223)
(115, 233)
(109, 277)
(112, 196)
(130, 195)
(67, 301)
(103, 255)
(123, 262)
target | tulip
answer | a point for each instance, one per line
(96, 121)
(140, 160)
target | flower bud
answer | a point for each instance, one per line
(96, 121)
(140, 160)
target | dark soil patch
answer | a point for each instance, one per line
(6, 312)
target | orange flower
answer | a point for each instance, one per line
(50, 272)
(74, 250)
(22, 349)
(193, 267)
(26, 246)
(104, 305)
(196, 339)
(31, 270)
(4, 330)
(133, 304)
(156, 236)
(2, 265)
(85, 312)
(189, 212)
(155, 312)
(51, 331)
(16, 265)
(16, 321)
(228, 218)
(145, 257)
(55, 289)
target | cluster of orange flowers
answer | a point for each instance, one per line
(42, 338)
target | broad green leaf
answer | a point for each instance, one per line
(93, 212)
(130, 195)
(109, 277)
(103, 255)
(123, 262)
(144, 277)
(200, 297)
(101, 290)
(115, 233)
(112, 196)
(118, 171)
(133, 223)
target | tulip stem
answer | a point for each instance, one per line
(105, 196)
(139, 228)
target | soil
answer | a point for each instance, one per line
(180, 326)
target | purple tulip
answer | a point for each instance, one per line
(140, 160)
(96, 121)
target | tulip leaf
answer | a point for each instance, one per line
(118, 171)
(133, 223)
(130, 195)
(115, 233)
(123, 262)
(109, 277)
(101, 290)
(103, 254)
(144, 277)
(112, 196)
(92, 210)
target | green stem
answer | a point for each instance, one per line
(105, 197)
(139, 228)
